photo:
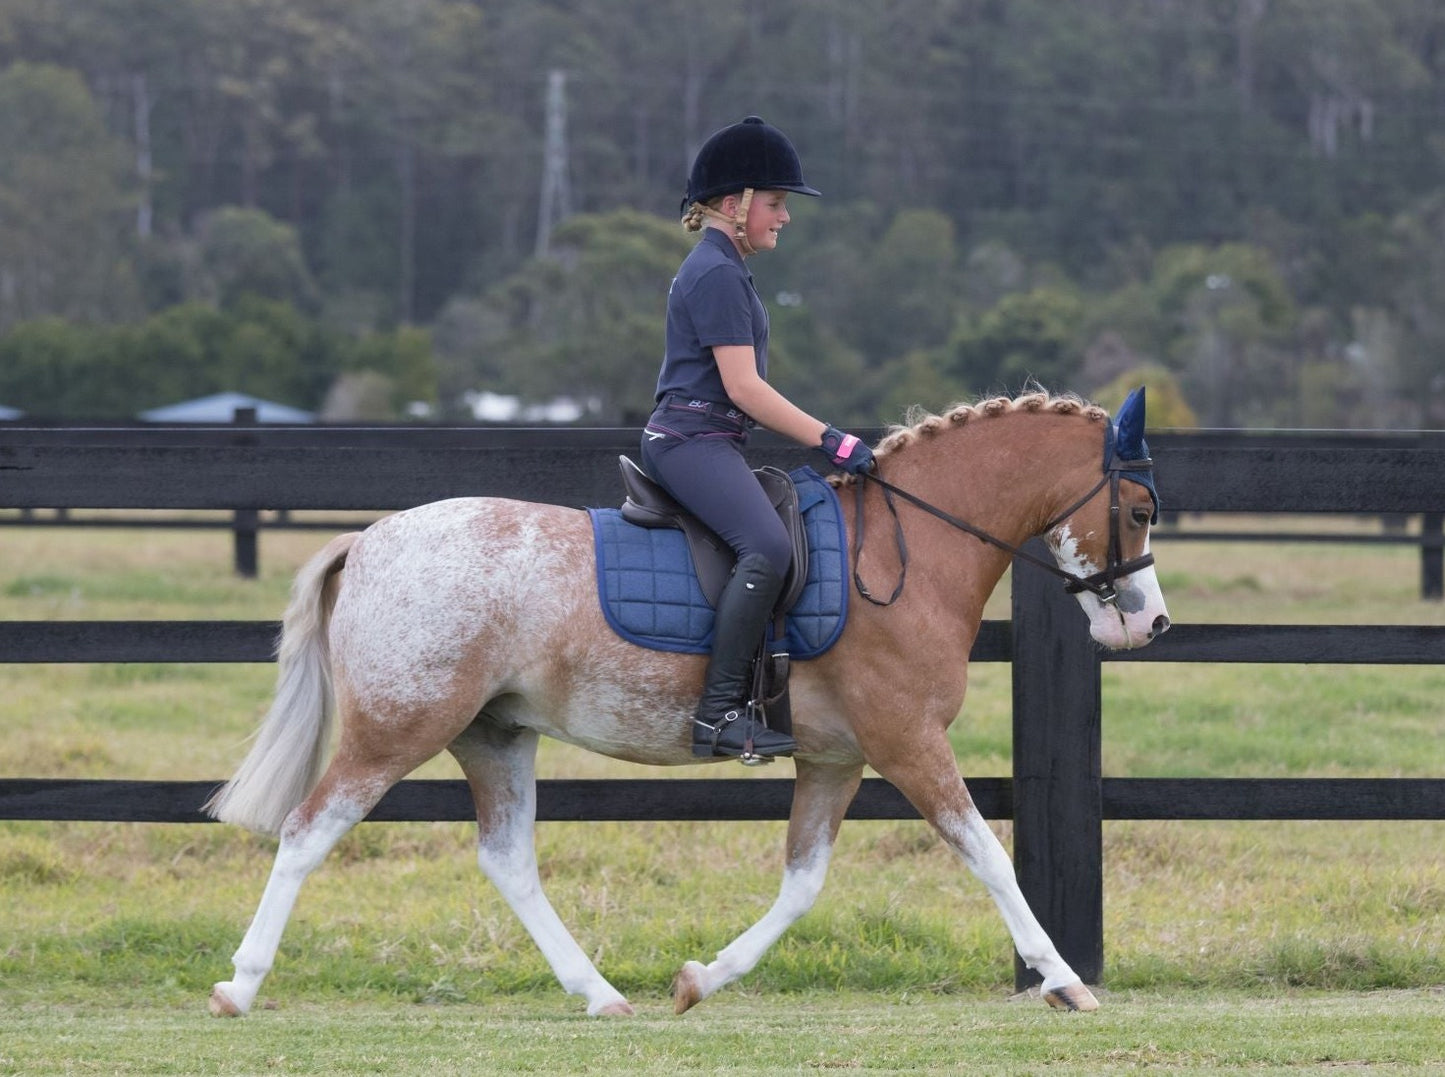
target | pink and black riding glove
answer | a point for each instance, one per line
(846, 451)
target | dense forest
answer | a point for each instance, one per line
(382, 208)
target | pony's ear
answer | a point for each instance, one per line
(1129, 443)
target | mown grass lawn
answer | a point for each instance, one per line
(1394, 1033)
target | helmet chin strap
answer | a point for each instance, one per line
(739, 221)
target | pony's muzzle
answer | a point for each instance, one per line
(1160, 626)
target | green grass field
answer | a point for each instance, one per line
(1272, 946)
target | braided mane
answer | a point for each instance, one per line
(920, 423)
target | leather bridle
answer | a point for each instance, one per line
(1101, 584)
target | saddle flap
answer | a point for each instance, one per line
(783, 493)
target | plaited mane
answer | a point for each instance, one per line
(920, 423)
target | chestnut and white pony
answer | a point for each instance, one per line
(473, 626)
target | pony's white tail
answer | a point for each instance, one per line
(288, 750)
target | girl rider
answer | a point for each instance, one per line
(713, 389)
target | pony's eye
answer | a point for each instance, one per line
(1140, 514)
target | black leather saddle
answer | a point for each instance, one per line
(648, 505)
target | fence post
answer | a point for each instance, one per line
(245, 522)
(1432, 555)
(1057, 786)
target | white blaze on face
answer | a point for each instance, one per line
(1066, 550)
(1131, 619)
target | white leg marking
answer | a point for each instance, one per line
(298, 855)
(971, 837)
(503, 780)
(802, 883)
(508, 859)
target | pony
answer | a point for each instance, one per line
(472, 626)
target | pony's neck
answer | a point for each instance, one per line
(1008, 474)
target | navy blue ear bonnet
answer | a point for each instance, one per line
(1124, 444)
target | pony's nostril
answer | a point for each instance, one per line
(1160, 626)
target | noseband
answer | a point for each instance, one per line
(1101, 584)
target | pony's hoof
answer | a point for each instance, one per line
(620, 1008)
(687, 989)
(1074, 996)
(222, 1006)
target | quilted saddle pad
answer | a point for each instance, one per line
(650, 594)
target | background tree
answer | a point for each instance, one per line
(1224, 317)
(1419, 369)
(61, 205)
(1027, 337)
(584, 320)
(971, 153)
(247, 252)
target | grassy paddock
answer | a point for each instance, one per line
(1394, 1032)
(112, 933)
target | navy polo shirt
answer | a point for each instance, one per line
(712, 301)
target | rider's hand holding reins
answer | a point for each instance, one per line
(846, 451)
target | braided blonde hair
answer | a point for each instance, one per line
(695, 219)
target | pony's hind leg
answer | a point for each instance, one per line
(500, 769)
(821, 796)
(310, 832)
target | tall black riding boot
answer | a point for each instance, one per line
(724, 723)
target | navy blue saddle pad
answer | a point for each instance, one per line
(650, 594)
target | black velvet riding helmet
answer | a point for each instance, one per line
(747, 154)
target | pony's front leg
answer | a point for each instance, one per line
(309, 833)
(501, 770)
(981, 850)
(932, 783)
(821, 797)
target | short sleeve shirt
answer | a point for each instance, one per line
(712, 301)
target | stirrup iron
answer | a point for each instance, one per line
(707, 747)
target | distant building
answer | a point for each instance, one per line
(221, 408)
(9, 414)
(489, 407)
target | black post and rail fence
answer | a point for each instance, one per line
(246, 524)
(1057, 795)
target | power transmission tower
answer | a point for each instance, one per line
(556, 201)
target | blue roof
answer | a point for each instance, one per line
(221, 408)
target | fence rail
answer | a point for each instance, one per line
(755, 799)
(245, 521)
(1057, 796)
